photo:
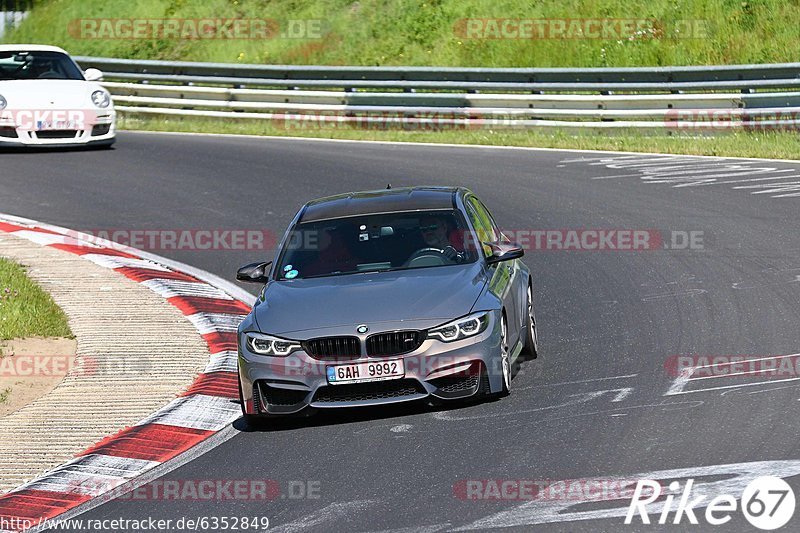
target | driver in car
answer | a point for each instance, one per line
(437, 234)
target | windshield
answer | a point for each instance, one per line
(369, 243)
(38, 66)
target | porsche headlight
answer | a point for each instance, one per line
(3, 102)
(268, 345)
(101, 99)
(461, 328)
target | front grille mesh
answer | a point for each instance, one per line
(100, 129)
(333, 348)
(456, 383)
(394, 343)
(378, 390)
(56, 134)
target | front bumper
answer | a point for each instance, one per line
(100, 131)
(443, 370)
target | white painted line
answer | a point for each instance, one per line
(754, 384)
(769, 358)
(760, 179)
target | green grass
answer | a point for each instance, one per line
(25, 309)
(773, 144)
(424, 32)
(4, 394)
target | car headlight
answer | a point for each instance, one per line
(3, 102)
(268, 345)
(101, 98)
(461, 328)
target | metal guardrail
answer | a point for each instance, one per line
(530, 97)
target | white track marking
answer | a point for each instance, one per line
(680, 382)
(625, 376)
(211, 322)
(689, 292)
(197, 411)
(573, 399)
(90, 474)
(735, 478)
(679, 385)
(169, 288)
(225, 361)
(113, 261)
(685, 171)
(328, 514)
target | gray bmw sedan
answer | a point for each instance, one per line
(385, 296)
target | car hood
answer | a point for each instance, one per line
(49, 94)
(424, 295)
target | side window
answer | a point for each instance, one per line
(498, 235)
(482, 223)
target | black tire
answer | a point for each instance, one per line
(530, 347)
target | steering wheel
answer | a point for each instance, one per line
(427, 257)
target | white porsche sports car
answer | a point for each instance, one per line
(47, 100)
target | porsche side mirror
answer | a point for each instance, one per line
(93, 74)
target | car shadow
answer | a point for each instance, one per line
(53, 149)
(351, 415)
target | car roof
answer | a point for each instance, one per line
(381, 201)
(30, 48)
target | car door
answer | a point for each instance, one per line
(502, 281)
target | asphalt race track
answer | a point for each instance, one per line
(601, 402)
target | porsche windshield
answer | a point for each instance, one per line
(38, 66)
(369, 243)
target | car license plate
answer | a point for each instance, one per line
(364, 372)
(44, 125)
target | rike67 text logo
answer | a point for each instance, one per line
(767, 502)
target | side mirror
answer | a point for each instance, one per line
(254, 273)
(93, 74)
(504, 251)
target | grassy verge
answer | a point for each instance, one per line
(433, 32)
(774, 144)
(25, 309)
